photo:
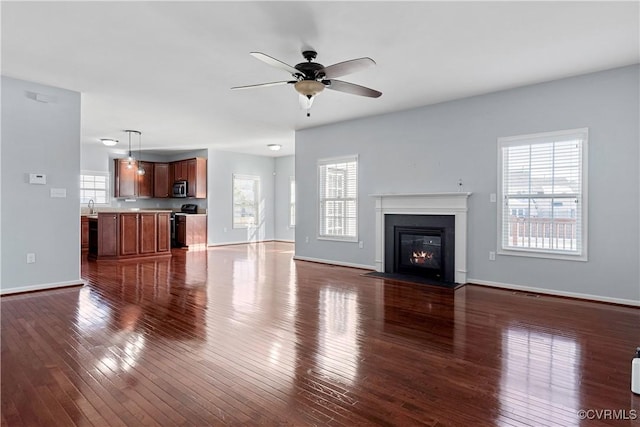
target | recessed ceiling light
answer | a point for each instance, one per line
(274, 147)
(109, 142)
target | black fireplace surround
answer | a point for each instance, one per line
(420, 245)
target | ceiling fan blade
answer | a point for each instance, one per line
(351, 88)
(263, 85)
(347, 67)
(274, 62)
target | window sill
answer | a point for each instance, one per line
(338, 239)
(543, 254)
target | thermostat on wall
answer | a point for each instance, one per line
(37, 178)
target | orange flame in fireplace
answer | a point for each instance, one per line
(421, 257)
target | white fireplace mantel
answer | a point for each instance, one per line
(425, 204)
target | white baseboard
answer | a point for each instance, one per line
(331, 262)
(554, 292)
(41, 287)
(245, 242)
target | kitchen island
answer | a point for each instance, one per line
(128, 234)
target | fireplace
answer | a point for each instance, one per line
(453, 205)
(420, 245)
(419, 251)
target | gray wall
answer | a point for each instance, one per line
(39, 137)
(428, 149)
(222, 166)
(285, 169)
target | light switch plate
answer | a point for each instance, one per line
(37, 178)
(58, 193)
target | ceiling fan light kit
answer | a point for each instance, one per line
(311, 78)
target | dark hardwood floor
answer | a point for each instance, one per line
(244, 335)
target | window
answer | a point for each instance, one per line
(338, 198)
(246, 199)
(94, 186)
(292, 201)
(543, 192)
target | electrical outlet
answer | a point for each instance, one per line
(361, 244)
(225, 229)
(306, 239)
(31, 258)
(492, 256)
(492, 197)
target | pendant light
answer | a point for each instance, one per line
(132, 160)
(141, 170)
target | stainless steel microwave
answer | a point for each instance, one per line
(179, 189)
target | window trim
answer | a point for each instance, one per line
(329, 161)
(543, 137)
(107, 177)
(233, 200)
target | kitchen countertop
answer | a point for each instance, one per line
(112, 211)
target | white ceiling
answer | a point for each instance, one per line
(166, 68)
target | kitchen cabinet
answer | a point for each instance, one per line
(129, 184)
(148, 233)
(161, 183)
(191, 230)
(179, 170)
(128, 234)
(146, 181)
(103, 236)
(164, 232)
(84, 233)
(197, 178)
(125, 180)
(159, 178)
(194, 171)
(138, 233)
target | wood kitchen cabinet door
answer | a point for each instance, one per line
(107, 234)
(146, 181)
(126, 179)
(181, 230)
(84, 233)
(196, 230)
(128, 234)
(161, 185)
(179, 170)
(197, 178)
(164, 232)
(148, 229)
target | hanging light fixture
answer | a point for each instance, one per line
(141, 170)
(131, 160)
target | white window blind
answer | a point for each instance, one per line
(94, 186)
(543, 183)
(246, 201)
(338, 198)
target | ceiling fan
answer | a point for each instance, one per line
(311, 78)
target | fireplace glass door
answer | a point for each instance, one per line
(419, 252)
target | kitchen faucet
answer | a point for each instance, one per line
(91, 206)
